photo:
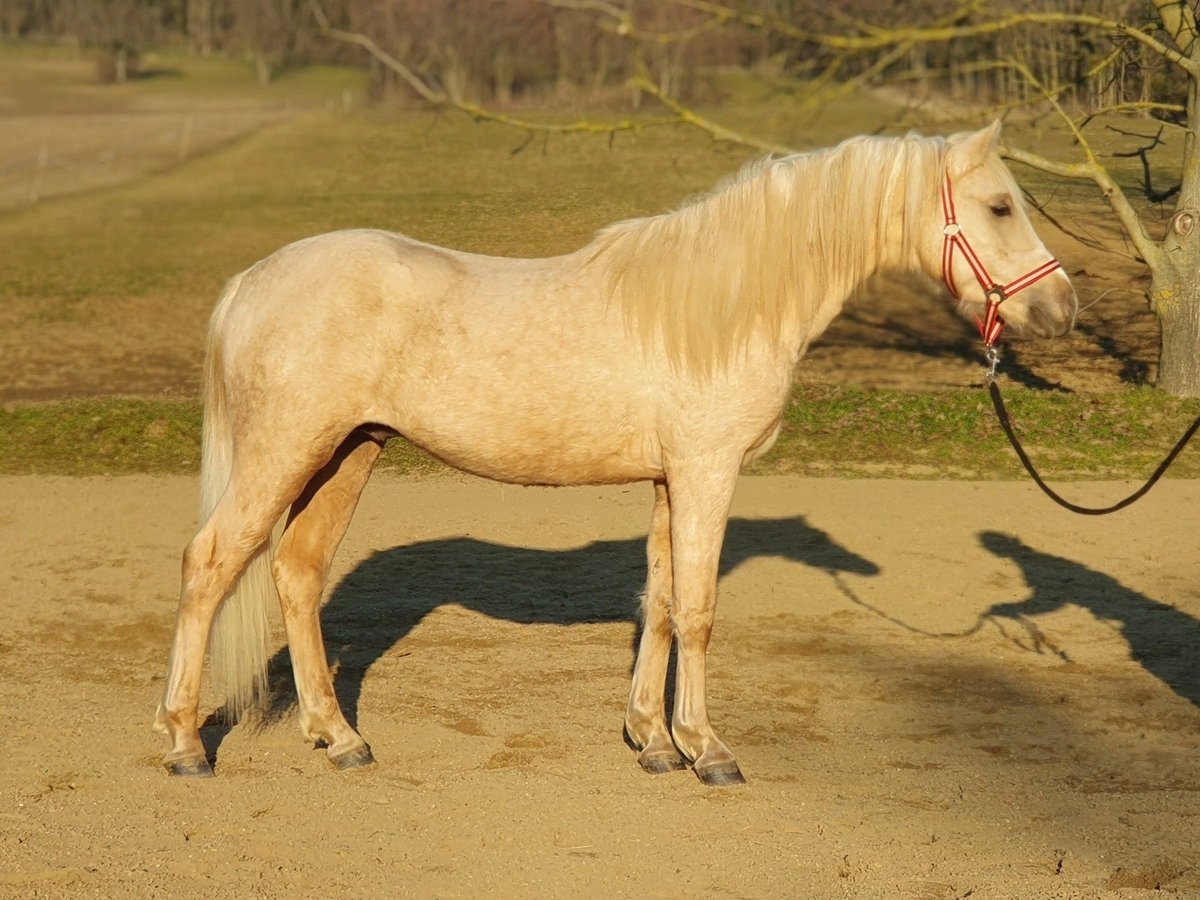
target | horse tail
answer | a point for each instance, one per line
(238, 644)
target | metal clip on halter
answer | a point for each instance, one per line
(992, 355)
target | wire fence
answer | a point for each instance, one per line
(50, 156)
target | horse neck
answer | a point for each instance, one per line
(867, 203)
(771, 258)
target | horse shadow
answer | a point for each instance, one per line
(1133, 371)
(962, 344)
(1163, 640)
(388, 594)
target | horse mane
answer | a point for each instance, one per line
(768, 248)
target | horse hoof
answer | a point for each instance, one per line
(721, 775)
(353, 759)
(661, 763)
(189, 768)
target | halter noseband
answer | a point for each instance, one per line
(991, 324)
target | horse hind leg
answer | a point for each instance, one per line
(645, 716)
(316, 525)
(237, 530)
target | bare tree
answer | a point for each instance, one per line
(16, 16)
(270, 32)
(119, 29)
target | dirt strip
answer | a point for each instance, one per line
(937, 690)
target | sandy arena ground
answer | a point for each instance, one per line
(937, 690)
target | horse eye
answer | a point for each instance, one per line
(1001, 210)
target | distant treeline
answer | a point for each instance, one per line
(502, 50)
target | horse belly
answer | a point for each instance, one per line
(580, 440)
(535, 455)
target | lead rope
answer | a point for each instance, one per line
(1006, 423)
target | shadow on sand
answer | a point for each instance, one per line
(1162, 639)
(390, 592)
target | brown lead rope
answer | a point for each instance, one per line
(1006, 424)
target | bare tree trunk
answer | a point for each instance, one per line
(503, 76)
(262, 69)
(562, 60)
(1175, 284)
(600, 76)
(1176, 300)
(200, 26)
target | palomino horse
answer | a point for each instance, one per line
(661, 351)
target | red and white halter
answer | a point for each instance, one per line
(991, 324)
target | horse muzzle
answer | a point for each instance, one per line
(1045, 311)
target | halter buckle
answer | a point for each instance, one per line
(992, 355)
(951, 229)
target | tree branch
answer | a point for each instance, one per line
(1178, 21)
(1132, 106)
(1143, 153)
(682, 115)
(718, 132)
(1146, 247)
(826, 95)
(877, 40)
(625, 27)
(1091, 168)
(1086, 239)
(410, 78)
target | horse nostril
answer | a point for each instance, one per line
(1070, 309)
(1041, 322)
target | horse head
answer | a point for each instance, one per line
(986, 247)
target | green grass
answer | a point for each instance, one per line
(100, 437)
(827, 431)
(955, 434)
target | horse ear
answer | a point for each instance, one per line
(972, 149)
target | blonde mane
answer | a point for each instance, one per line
(770, 248)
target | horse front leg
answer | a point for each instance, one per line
(645, 717)
(701, 492)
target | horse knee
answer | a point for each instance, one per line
(693, 624)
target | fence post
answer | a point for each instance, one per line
(185, 139)
(39, 174)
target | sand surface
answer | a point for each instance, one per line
(936, 689)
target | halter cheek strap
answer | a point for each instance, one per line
(994, 293)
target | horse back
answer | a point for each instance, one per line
(512, 369)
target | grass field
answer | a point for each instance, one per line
(827, 431)
(106, 283)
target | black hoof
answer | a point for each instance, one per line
(721, 775)
(189, 768)
(353, 759)
(661, 763)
